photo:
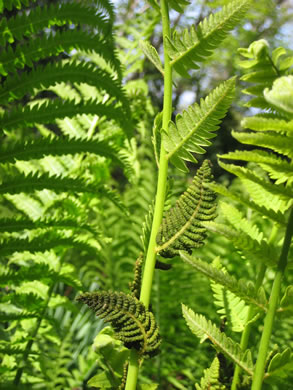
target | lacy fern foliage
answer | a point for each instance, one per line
(134, 325)
(182, 227)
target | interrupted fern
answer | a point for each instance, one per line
(182, 227)
(133, 324)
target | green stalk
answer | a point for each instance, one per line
(150, 262)
(247, 330)
(273, 303)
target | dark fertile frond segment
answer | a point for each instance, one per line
(134, 325)
(181, 228)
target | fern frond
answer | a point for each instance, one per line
(21, 183)
(240, 288)
(17, 86)
(197, 44)
(276, 142)
(17, 316)
(263, 211)
(182, 227)
(280, 362)
(37, 19)
(278, 169)
(258, 251)
(210, 380)
(43, 47)
(195, 126)
(134, 325)
(57, 146)
(44, 113)
(42, 243)
(263, 69)
(280, 95)
(262, 123)
(230, 307)
(11, 225)
(151, 53)
(39, 272)
(178, 5)
(282, 192)
(9, 4)
(238, 222)
(204, 329)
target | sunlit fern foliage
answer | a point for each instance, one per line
(60, 93)
(254, 219)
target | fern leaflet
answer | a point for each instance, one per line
(134, 325)
(195, 126)
(182, 227)
(205, 329)
(198, 43)
(240, 288)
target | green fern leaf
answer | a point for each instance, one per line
(11, 225)
(21, 183)
(231, 308)
(263, 69)
(134, 325)
(20, 315)
(198, 43)
(210, 380)
(151, 53)
(195, 126)
(17, 86)
(243, 290)
(258, 251)
(178, 5)
(182, 228)
(280, 364)
(24, 24)
(276, 142)
(280, 95)
(42, 243)
(42, 47)
(281, 192)
(237, 221)
(57, 146)
(262, 123)
(9, 4)
(44, 113)
(278, 169)
(204, 329)
(39, 272)
(278, 217)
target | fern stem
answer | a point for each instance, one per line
(150, 262)
(273, 302)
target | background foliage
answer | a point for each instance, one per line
(78, 177)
